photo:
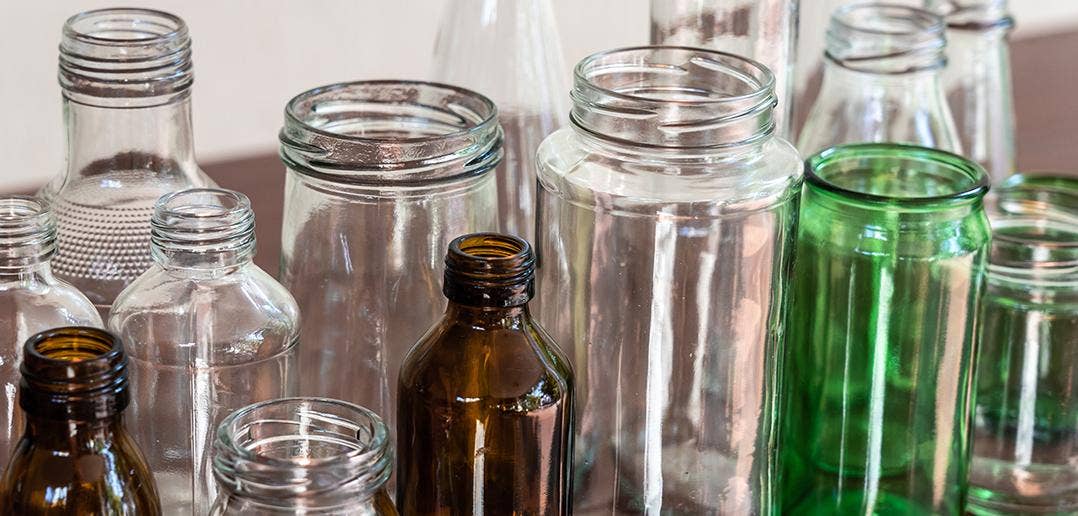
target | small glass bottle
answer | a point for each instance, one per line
(126, 79)
(891, 248)
(881, 81)
(311, 456)
(207, 331)
(31, 299)
(509, 50)
(486, 397)
(75, 456)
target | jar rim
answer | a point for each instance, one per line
(175, 27)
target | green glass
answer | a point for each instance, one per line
(876, 375)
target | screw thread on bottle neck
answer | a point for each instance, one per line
(203, 228)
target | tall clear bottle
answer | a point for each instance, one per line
(509, 51)
(31, 299)
(667, 212)
(882, 81)
(126, 80)
(207, 331)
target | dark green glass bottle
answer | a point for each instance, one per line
(890, 260)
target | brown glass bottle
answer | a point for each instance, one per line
(485, 397)
(75, 457)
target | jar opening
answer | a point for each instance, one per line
(886, 38)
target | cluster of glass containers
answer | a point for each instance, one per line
(731, 326)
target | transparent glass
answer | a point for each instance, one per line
(1025, 426)
(764, 30)
(126, 78)
(310, 456)
(510, 51)
(891, 249)
(208, 332)
(381, 176)
(667, 212)
(486, 397)
(881, 81)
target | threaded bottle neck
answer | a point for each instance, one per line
(886, 39)
(74, 374)
(489, 270)
(202, 228)
(27, 233)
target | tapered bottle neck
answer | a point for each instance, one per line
(57, 434)
(487, 317)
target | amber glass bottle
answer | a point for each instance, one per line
(75, 457)
(485, 410)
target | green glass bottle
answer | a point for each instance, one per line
(75, 457)
(890, 259)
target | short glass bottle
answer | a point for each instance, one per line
(208, 332)
(75, 456)
(486, 397)
(31, 299)
(310, 456)
(881, 81)
(891, 248)
(126, 79)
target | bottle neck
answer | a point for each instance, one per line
(206, 230)
(73, 375)
(27, 237)
(843, 84)
(68, 434)
(512, 317)
(489, 271)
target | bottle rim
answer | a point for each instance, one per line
(74, 373)
(886, 38)
(27, 231)
(1031, 259)
(975, 17)
(189, 225)
(489, 270)
(174, 26)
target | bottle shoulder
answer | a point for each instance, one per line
(28, 307)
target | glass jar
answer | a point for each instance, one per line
(311, 456)
(891, 249)
(207, 331)
(381, 176)
(126, 79)
(667, 212)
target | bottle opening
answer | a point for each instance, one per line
(27, 232)
(74, 373)
(886, 38)
(489, 270)
(203, 226)
(1036, 251)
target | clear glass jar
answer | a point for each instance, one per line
(310, 456)
(126, 79)
(881, 81)
(207, 331)
(381, 176)
(510, 51)
(667, 212)
(31, 299)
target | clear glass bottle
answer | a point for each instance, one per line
(381, 176)
(31, 299)
(764, 30)
(126, 79)
(891, 248)
(881, 81)
(75, 455)
(977, 80)
(510, 51)
(486, 397)
(207, 331)
(667, 212)
(310, 456)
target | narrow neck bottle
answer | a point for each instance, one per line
(203, 232)
(27, 241)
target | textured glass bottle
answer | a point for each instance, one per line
(31, 299)
(667, 216)
(381, 176)
(509, 50)
(764, 30)
(881, 81)
(891, 246)
(208, 332)
(1025, 426)
(75, 456)
(310, 456)
(486, 397)
(126, 78)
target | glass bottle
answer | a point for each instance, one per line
(1025, 425)
(31, 298)
(667, 215)
(486, 397)
(381, 175)
(977, 80)
(75, 456)
(311, 456)
(126, 79)
(207, 331)
(891, 249)
(881, 81)
(764, 30)
(510, 51)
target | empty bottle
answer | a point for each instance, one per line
(126, 80)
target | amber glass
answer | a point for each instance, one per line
(75, 457)
(485, 410)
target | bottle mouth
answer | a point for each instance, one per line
(1046, 195)
(74, 373)
(202, 226)
(886, 39)
(979, 15)
(489, 270)
(27, 232)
